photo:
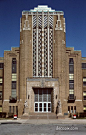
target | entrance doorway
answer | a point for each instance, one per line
(42, 100)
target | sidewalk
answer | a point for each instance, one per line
(44, 121)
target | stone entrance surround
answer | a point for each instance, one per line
(41, 83)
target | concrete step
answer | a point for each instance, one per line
(42, 116)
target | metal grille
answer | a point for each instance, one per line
(40, 21)
(37, 65)
(34, 21)
(45, 21)
(51, 21)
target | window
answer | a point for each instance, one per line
(71, 84)
(13, 84)
(13, 94)
(71, 109)
(71, 91)
(0, 95)
(68, 109)
(17, 110)
(74, 109)
(13, 109)
(14, 77)
(0, 108)
(71, 79)
(71, 62)
(14, 65)
(1, 80)
(83, 65)
(1, 65)
(71, 96)
(71, 76)
(84, 95)
(84, 81)
(9, 109)
(71, 69)
(84, 108)
(71, 66)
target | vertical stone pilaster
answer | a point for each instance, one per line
(37, 47)
(48, 45)
(42, 44)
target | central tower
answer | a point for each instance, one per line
(42, 58)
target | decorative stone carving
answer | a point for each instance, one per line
(26, 24)
(42, 83)
(26, 109)
(58, 25)
(25, 104)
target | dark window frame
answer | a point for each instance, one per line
(83, 65)
(71, 66)
(84, 82)
(1, 95)
(14, 65)
(1, 65)
(13, 83)
(84, 97)
(2, 80)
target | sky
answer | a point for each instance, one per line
(74, 13)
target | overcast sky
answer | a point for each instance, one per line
(74, 12)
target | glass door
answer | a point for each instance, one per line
(42, 100)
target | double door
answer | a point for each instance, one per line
(42, 100)
(42, 107)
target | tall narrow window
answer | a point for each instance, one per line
(0, 108)
(84, 108)
(68, 109)
(9, 109)
(83, 65)
(71, 109)
(14, 78)
(84, 81)
(14, 65)
(84, 95)
(71, 78)
(0, 95)
(71, 66)
(1, 65)
(13, 89)
(74, 109)
(1, 80)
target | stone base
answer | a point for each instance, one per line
(42, 116)
(60, 116)
(25, 116)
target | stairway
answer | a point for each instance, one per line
(42, 116)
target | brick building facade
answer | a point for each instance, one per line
(42, 75)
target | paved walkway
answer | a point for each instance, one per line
(45, 121)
